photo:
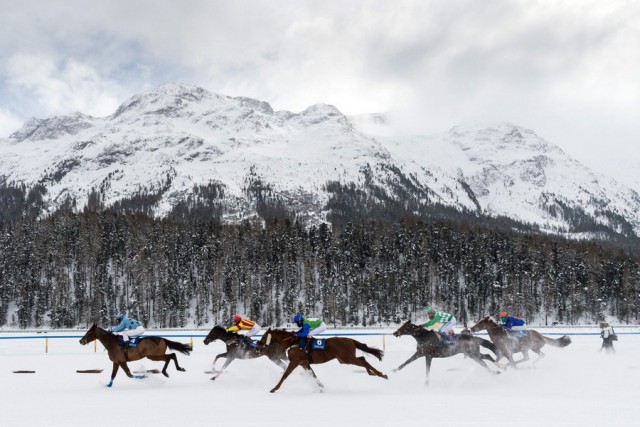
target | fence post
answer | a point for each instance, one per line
(46, 345)
(191, 341)
(95, 346)
(384, 347)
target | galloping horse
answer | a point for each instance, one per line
(507, 344)
(153, 348)
(237, 350)
(342, 349)
(430, 346)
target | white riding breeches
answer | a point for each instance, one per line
(131, 333)
(519, 328)
(448, 327)
(251, 332)
(320, 329)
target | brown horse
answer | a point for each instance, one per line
(153, 348)
(430, 346)
(508, 343)
(342, 349)
(236, 349)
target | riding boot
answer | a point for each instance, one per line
(307, 347)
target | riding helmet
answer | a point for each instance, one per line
(503, 314)
(298, 318)
(236, 318)
(431, 310)
(119, 316)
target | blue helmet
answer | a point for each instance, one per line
(119, 316)
(298, 318)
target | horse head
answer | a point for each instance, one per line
(407, 328)
(90, 335)
(484, 324)
(214, 334)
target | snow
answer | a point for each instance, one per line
(573, 386)
(195, 137)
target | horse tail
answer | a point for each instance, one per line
(563, 341)
(371, 350)
(178, 346)
(486, 344)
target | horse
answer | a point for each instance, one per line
(237, 350)
(342, 349)
(430, 346)
(153, 348)
(508, 344)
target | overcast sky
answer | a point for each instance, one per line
(568, 70)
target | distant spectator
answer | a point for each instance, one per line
(608, 337)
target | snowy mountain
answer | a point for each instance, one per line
(169, 140)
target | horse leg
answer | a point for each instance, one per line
(126, 370)
(417, 355)
(361, 361)
(525, 356)
(307, 367)
(540, 356)
(113, 373)
(275, 359)
(218, 357)
(163, 358)
(494, 361)
(292, 365)
(175, 361)
(479, 359)
(428, 365)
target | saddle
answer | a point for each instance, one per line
(133, 342)
(445, 339)
(318, 344)
(249, 342)
(517, 334)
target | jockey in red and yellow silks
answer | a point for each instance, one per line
(242, 324)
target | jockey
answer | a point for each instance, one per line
(242, 324)
(513, 323)
(128, 328)
(441, 322)
(308, 329)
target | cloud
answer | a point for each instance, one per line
(60, 88)
(565, 69)
(9, 122)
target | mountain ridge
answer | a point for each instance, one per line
(169, 140)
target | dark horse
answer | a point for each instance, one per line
(339, 348)
(508, 344)
(153, 348)
(430, 346)
(236, 349)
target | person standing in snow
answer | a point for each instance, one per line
(608, 337)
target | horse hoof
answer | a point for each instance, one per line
(182, 370)
(165, 374)
(272, 391)
(385, 377)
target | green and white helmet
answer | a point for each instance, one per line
(431, 310)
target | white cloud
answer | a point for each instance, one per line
(566, 69)
(60, 88)
(9, 122)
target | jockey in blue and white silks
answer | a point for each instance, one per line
(127, 328)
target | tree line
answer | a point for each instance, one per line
(71, 269)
